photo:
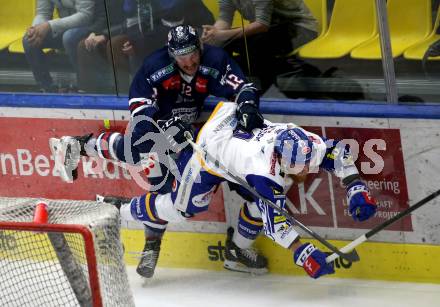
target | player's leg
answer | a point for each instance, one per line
(240, 255)
(143, 209)
(153, 229)
(155, 210)
(67, 151)
(109, 145)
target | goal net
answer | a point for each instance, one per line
(75, 259)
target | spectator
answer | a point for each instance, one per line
(95, 51)
(145, 30)
(63, 33)
(275, 29)
(148, 24)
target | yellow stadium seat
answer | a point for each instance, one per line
(318, 8)
(352, 23)
(409, 22)
(417, 51)
(15, 17)
(17, 45)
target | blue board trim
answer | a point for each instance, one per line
(268, 106)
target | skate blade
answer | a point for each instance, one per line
(239, 267)
(56, 148)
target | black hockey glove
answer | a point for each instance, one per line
(174, 131)
(248, 115)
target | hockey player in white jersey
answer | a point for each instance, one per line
(268, 159)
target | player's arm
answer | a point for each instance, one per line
(221, 32)
(142, 98)
(232, 84)
(339, 161)
(143, 133)
(280, 230)
(143, 107)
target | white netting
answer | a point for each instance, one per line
(31, 273)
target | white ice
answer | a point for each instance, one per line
(200, 288)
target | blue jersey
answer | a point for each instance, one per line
(159, 90)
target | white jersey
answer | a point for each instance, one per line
(248, 153)
(251, 157)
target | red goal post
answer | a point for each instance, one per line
(60, 263)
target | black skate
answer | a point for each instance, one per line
(243, 260)
(113, 200)
(149, 257)
(66, 152)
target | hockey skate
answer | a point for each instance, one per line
(116, 201)
(66, 152)
(150, 254)
(243, 260)
(149, 257)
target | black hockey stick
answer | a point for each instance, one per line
(380, 227)
(351, 256)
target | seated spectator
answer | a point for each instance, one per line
(95, 53)
(148, 26)
(63, 33)
(145, 30)
(276, 28)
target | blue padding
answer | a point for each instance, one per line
(268, 106)
(64, 101)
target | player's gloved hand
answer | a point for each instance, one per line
(248, 115)
(174, 131)
(312, 260)
(362, 205)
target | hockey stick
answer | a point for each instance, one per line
(380, 227)
(352, 256)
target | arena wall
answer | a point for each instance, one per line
(398, 154)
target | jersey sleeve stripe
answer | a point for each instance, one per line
(138, 109)
(111, 145)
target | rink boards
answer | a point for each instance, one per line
(379, 260)
(400, 153)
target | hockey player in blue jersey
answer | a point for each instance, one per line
(166, 95)
(268, 159)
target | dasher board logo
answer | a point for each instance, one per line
(216, 252)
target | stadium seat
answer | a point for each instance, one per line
(15, 18)
(352, 23)
(409, 21)
(17, 45)
(417, 51)
(318, 8)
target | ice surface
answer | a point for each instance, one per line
(182, 287)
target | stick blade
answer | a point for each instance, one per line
(351, 256)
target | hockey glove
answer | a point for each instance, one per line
(248, 115)
(362, 205)
(174, 131)
(312, 260)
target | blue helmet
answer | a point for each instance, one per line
(182, 40)
(294, 146)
